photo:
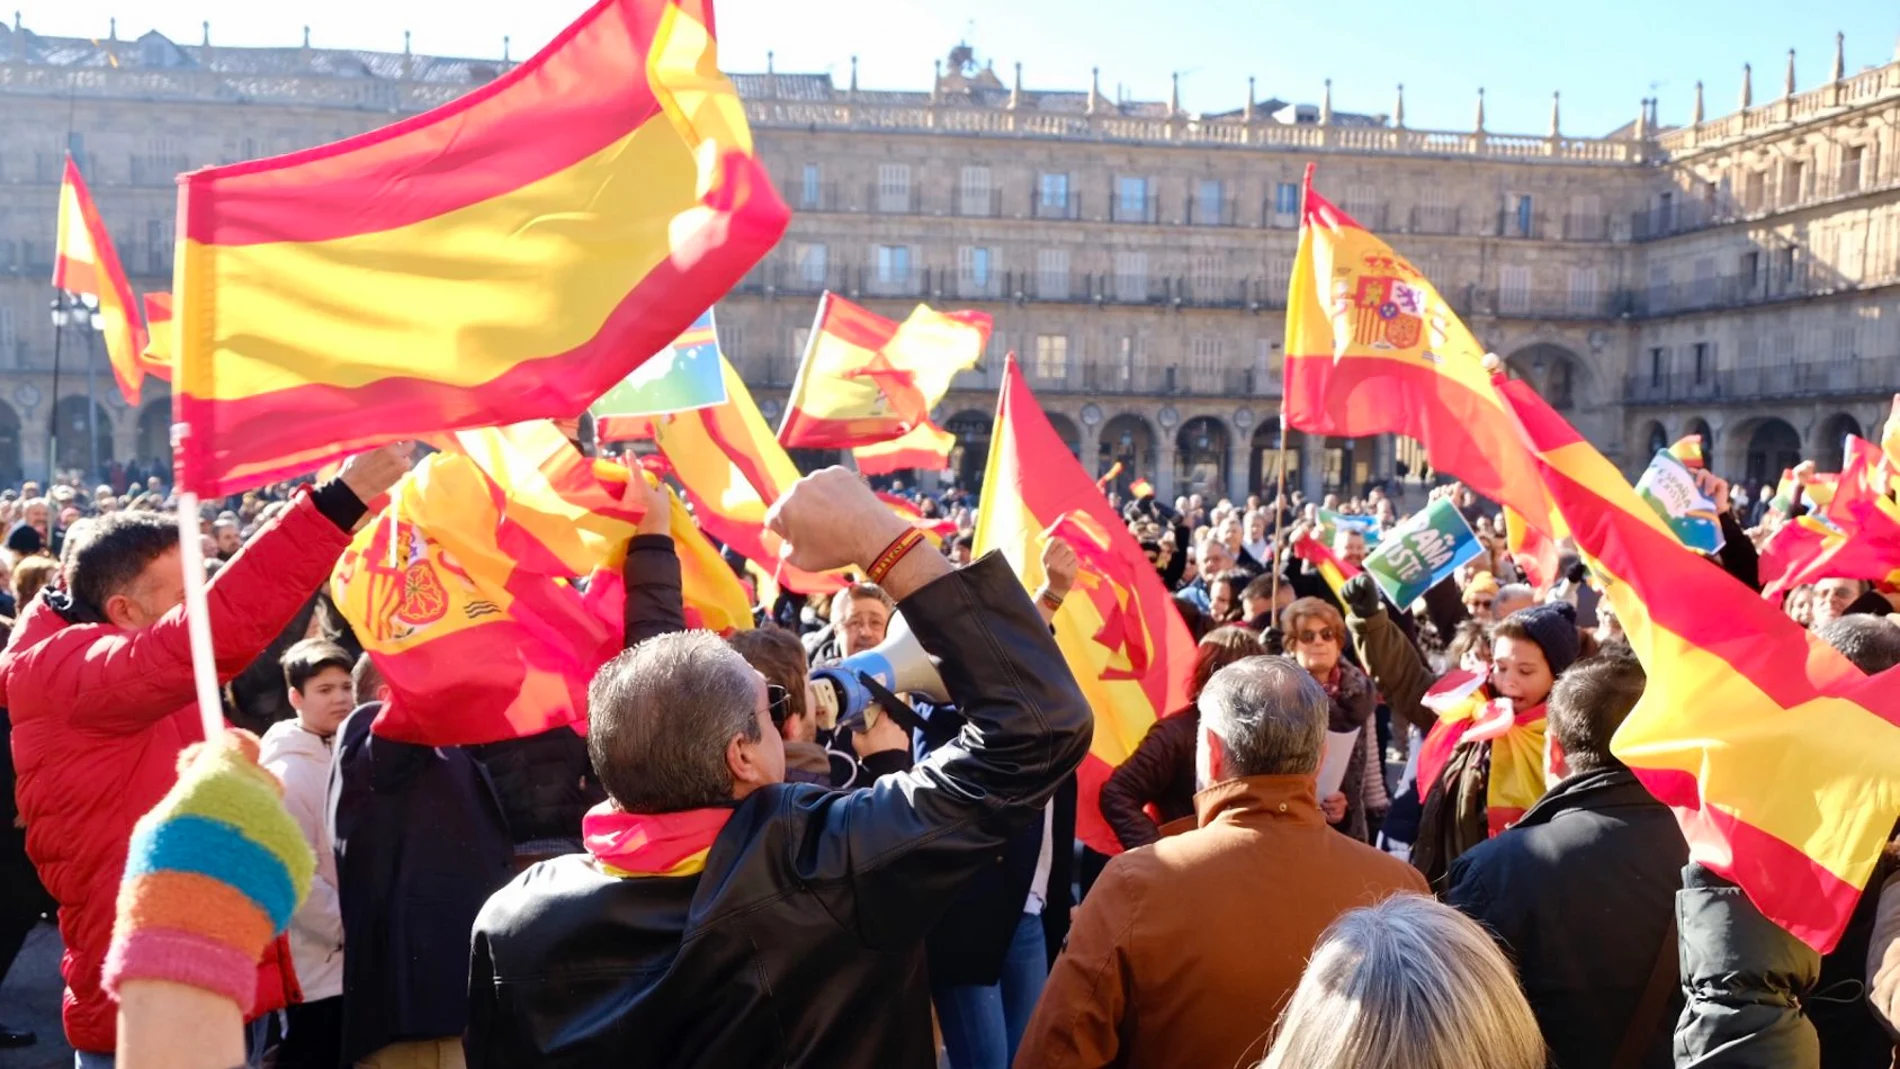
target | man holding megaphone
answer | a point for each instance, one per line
(723, 917)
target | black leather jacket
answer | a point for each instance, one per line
(801, 944)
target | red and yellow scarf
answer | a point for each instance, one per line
(1465, 713)
(652, 844)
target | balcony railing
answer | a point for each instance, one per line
(822, 197)
(979, 203)
(1134, 209)
(1069, 207)
(905, 200)
(1107, 377)
(1538, 303)
(1861, 377)
(1513, 225)
(1435, 220)
(1774, 282)
(1200, 212)
(1587, 227)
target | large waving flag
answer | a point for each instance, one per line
(156, 358)
(926, 447)
(733, 470)
(509, 255)
(85, 262)
(1781, 761)
(867, 379)
(1856, 535)
(1371, 348)
(1118, 630)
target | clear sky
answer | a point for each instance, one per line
(1604, 56)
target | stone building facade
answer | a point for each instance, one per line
(1733, 276)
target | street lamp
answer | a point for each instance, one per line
(78, 312)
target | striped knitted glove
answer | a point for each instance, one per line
(214, 872)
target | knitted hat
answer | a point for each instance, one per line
(1482, 583)
(1553, 626)
(25, 540)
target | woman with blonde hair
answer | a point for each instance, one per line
(1407, 984)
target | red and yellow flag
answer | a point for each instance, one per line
(925, 447)
(1534, 551)
(1856, 535)
(1371, 348)
(1688, 450)
(867, 379)
(509, 255)
(85, 262)
(733, 470)
(1141, 489)
(1109, 476)
(1781, 761)
(935, 529)
(156, 358)
(1118, 630)
(1324, 561)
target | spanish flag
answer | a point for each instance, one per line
(867, 379)
(1371, 348)
(936, 530)
(85, 262)
(1114, 471)
(1534, 552)
(156, 358)
(1329, 566)
(1688, 450)
(925, 447)
(1781, 761)
(1855, 536)
(733, 470)
(509, 255)
(1118, 630)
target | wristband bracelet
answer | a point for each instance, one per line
(1049, 599)
(893, 553)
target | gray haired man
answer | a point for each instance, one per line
(722, 917)
(1185, 949)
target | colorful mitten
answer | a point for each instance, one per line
(214, 872)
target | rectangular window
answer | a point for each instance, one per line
(1702, 367)
(1052, 274)
(1790, 268)
(1208, 282)
(893, 268)
(1751, 272)
(1131, 199)
(1209, 203)
(1658, 361)
(1127, 363)
(8, 339)
(1279, 277)
(1521, 215)
(811, 187)
(1052, 196)
(1362, 203)
(973, 271)
(810, 263)
(1583, 291)
(1052, 357)
(1585, 221)
(973, 192)
(893, 187)
(1851, 158)
(1754, 187)
(801, 340)
(1794, 175)
(1286, 203)
(1704, 291)
(1131, 276)
(1750, 355)
(1514, 290)
(1204, 363)
(1268, 361)
(1845, 337)
(1658, 287)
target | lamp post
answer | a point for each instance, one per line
(79, 312)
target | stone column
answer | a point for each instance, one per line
(34, 424)
(1091, 447)
(1164, 463)
(1312, 459)
(1385, 457)
(1239, 465)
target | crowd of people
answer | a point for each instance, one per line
(721, 871)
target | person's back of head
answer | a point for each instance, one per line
(779, 656)
(366, 682)
(109, 567)
(1588, 704)
(1408, 983)
(1870, 643)
(1261, 716)
(30, 576)
(674, 721)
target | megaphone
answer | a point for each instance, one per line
(854, 691)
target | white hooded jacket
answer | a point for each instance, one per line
(301, 761)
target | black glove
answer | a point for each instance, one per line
(1361, 596)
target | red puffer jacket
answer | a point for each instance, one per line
(99, 717)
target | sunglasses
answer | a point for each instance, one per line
(1480, 603)
(1324, 634)
(778, 702)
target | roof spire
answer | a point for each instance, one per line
(113, 33)
(1553, 114)
(1840, 57)
(1479, 128)
(507, 45)
(1398, 108)
(1326, 104)
(854, 74)
(405, 42)
(1247, 114)
(306, 37)
(1174, 94)
(1695, 116)
(1095, 88)
(1016, 89)
(1787, 84)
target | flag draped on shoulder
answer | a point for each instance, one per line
(1118, 629)
(733, 470)
(509, 255)
(85, 262)
(866, 379)
(1371, 348)
(1778, 757)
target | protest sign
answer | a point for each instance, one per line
(1670, 489)
(1421, 551)
(684, 377)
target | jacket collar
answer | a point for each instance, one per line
(1587, 790)
(1293, 798)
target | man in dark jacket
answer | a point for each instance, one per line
(725, 918)
(1582, 890)
(1759, 997)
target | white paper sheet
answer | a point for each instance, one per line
(1341, 748)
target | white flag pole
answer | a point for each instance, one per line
(204, 666)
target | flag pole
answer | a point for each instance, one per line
(1279, 507)
(197, 619)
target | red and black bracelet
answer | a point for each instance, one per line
(893, 553)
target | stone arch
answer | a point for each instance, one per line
(1700, 427)
(1829, 441)
(1558, 374)
(73, 436)
(1263, 458)
(1070, 434)
(1763, 447)
(972, 452)
(154, 434)
(11, 470)
(1654, 439)
(1200, 457)
(1129, 439)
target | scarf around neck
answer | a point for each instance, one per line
(652, 844)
